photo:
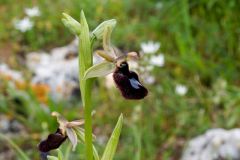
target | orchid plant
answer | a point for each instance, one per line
(126, 81)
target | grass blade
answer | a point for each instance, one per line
(21, 154)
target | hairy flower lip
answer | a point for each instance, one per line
(64, 131)
(53, 141)
(128, 82)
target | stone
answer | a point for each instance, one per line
(215, 144)
(57, 69)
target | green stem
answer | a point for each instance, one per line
(86, 87)
(85, 62)
(88, 119)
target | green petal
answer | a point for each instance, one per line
(72, 137)
(99, 70)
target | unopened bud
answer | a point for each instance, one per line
(99, 30)
(73, 25)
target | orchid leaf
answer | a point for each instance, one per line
(67, 152)
(113, 141)
(60, 155)
(52, 158)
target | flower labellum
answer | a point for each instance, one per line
(53, 141)
(128, 82)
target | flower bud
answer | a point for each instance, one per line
(73, 25)
(99, 30)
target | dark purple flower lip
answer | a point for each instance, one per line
(128, 82)
(53, 141)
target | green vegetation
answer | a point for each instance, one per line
(200, 42)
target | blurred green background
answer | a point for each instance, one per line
(200, 43)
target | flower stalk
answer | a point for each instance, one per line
(85, 62)
(86, 74)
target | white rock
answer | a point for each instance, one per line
(214, 144)
(37, 59)
(58, 70)
(13, 74)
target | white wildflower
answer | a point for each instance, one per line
(33, 12)
(147, 68)
(181, 89)
(158, 60)
(149, 79)
(24, 25)
(150, 47)
(159, 5)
